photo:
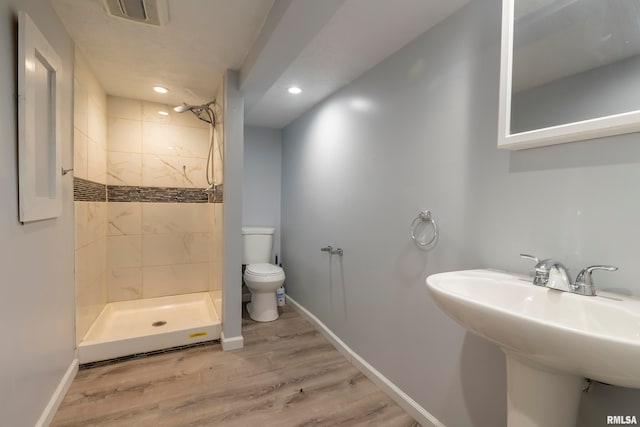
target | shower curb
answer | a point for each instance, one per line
(99, 363)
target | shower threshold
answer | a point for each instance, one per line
(140, 326)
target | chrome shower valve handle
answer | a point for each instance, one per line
(332, 251)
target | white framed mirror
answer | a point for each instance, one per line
(570, 71)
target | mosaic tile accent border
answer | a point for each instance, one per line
(121, 193)
(88, 191)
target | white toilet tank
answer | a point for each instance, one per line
(257, 243)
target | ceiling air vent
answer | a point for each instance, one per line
(152, 12)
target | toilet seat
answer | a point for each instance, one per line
(264, 271)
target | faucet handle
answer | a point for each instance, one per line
(584, 280)
(540, 271)
(531, 257)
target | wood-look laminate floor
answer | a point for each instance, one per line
(286, 375)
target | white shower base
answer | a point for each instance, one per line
(125, 328)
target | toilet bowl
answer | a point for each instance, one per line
(262, 280)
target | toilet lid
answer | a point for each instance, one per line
(264, 269)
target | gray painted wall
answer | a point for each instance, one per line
(36, 259)
(262, 179)
(420, 131)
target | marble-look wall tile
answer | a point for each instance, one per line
(90, 130)
(80, 226)
(91, 287)
(124, 169)
(97, 122)
(125, 219)
(173, 171)
(80, 95)
(124, 251)
(156, 249)
(90, 164)
(82, 256)
(174, 140)
(90, 223)
(153, 112)
(174, 147)
(124, 278)
(96, 92)
(175, 248)
(90, 300)
(124, 108)
(80, 154)
(164, 218)
(124, 284)
(97, 111)
(215, 247)
(97, 162)
(96, 221)
(80, 109)
(174, 279)
(96, 264)
(218, 155)
(124, 135)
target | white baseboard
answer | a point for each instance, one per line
(56, 399)
(403, 400)
(231, 343)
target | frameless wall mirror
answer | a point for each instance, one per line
(570, 71)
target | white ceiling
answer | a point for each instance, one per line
(188, 55)
(318, 45)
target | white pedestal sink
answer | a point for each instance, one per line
(552, 340)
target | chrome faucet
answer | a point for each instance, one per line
(543, 269)
(584, 281)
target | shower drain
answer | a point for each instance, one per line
(159, 323)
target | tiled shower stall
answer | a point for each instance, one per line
(144, 228)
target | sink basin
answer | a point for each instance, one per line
(552, 340)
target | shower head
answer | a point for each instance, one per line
(196, 108)
(182, 108)
(203, 112)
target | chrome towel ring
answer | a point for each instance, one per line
(424, 216)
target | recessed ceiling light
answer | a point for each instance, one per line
(163, 113)
(160, 89)
(294, 90)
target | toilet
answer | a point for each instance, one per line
(261, 277)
